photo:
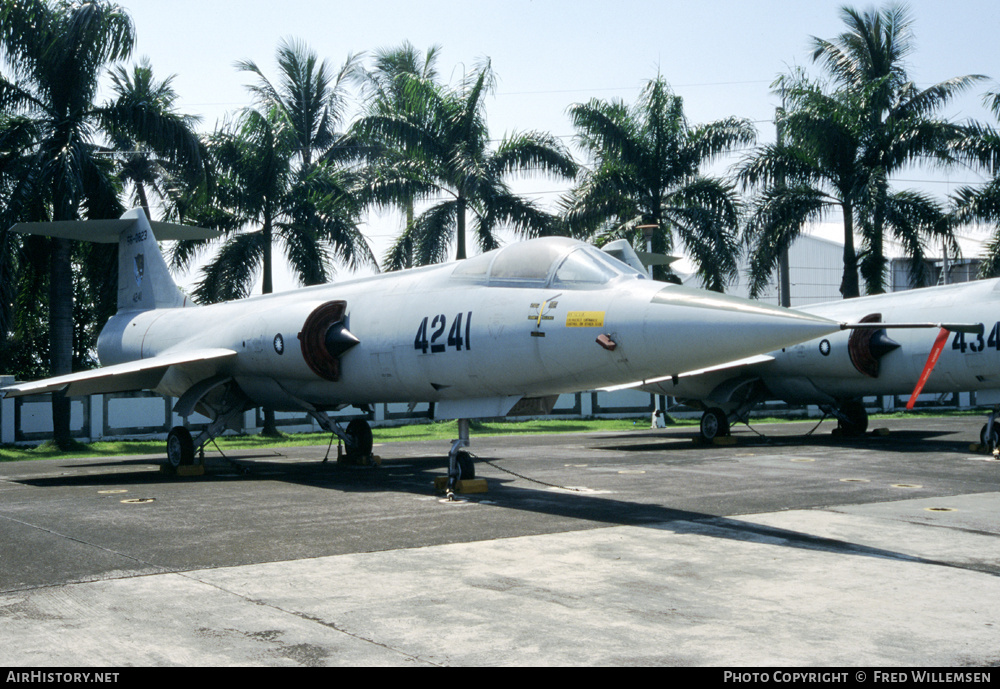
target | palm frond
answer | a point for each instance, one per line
(231, 274)
(432, 232)
(776, 219)
(531, 153)
(646, 160)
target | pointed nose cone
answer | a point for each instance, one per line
(706, 329)
(881, 344)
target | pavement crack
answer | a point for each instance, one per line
(310, 618)
(89, 544)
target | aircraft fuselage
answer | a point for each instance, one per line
(425, 335)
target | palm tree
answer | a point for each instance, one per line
(308, 95)
(435, 146)
(275, 173)
(383, 92)
(16, 133)
(841, 149)
(56, 53)
(381, 83)
(140, 166)
(820, 165)
(646, 174)
(982, 204)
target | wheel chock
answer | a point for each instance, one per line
(183, 470)
(475, 485)
(358, 460)
(718, 440)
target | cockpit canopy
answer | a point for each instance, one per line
(549, 261)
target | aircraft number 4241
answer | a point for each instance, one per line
(458, 334)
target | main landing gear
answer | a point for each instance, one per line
(357, 436)
(852, 418)
(714, 424)
(851, 415)
(358, 445)
(214, 396)
(989, 436)
(180, 447)
(357, 439)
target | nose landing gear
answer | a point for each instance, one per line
(989, 436)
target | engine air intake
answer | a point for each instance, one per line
(325, 338)
(867, 347)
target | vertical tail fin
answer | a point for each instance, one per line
(144, 282)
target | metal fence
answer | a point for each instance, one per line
(147, 415)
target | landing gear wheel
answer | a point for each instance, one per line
(714, 424)
(466, 467)
(359, 435)
(856, 416)
(987, 440)
(180, 447)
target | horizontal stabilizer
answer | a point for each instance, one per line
(109, 231)
(144, 374)
(144, 281)
(649, 259)
(640, 260)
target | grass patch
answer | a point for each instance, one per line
(440, 430)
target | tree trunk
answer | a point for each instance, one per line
(270, 428)
(408, 242)
(460, 228)
(267, 281)
(784, 283)
(61, 335)
(143, 201)
(873, 266)
(849, 287)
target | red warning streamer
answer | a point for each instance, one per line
(932, 360)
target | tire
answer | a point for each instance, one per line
(984, 440)
(180, 447)
(466, 467)
(359, 438)
(856, 418)
(714, 424)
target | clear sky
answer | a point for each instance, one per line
(720, 55)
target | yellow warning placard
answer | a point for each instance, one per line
(585, 319)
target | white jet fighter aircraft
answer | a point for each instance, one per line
(836, 371)
(510, 328)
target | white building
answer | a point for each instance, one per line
(816, 265)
